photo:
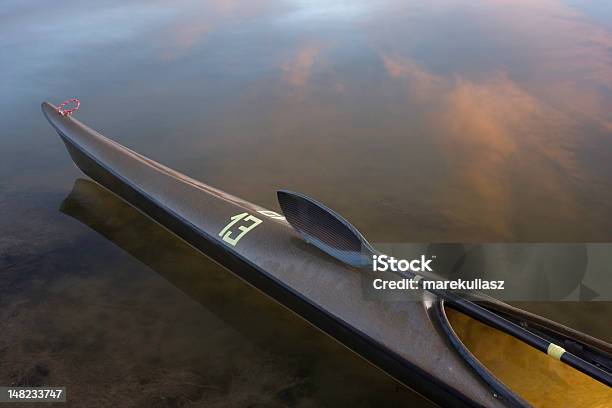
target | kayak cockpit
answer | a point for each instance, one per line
(540, 380)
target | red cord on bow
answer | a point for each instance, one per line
(68, 112)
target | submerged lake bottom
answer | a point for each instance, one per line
(133, 314)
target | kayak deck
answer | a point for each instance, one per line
(403, 338)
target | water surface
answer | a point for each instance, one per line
(469, 121)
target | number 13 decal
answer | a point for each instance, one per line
(226, 232)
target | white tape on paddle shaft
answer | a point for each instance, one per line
(555, 351)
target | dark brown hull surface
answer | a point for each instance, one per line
(402, 338)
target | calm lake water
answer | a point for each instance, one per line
(467, 121)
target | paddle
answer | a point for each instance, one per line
(331, 233)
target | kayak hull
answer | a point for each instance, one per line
(403, 339)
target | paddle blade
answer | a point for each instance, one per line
(325, 229)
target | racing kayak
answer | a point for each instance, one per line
(309, 259)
